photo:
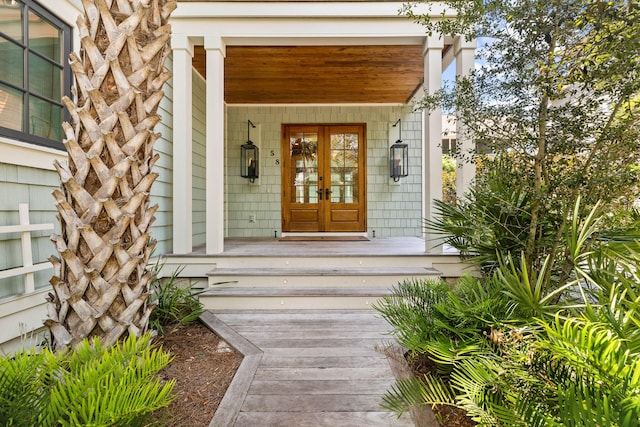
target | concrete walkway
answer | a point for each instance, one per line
(305, 368)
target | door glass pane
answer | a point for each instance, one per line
(44, 78)
(304, 167)
(12, 63)
(11, 20)
(11, 102)
(344, 168)
(45, 119)
(44, 37)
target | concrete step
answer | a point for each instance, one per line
(234, 298)
(317, 277)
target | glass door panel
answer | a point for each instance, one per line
(344, 168)
(303, 149)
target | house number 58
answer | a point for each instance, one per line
(272, 153)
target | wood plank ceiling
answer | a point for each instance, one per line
(319, 74)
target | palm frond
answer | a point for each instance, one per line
(409, 393)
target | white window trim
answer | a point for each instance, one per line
(29, 155)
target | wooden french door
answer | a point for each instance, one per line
(323, 178)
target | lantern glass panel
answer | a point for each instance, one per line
(399, 160)
(249, 161)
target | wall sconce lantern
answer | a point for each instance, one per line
(249, 166)
(398, 156)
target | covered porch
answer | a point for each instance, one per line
(233, 47)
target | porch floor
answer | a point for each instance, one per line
(403, 246)
(306, 368)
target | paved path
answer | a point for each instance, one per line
(306, 368)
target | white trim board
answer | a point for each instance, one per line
(29, 155)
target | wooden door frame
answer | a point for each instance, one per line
(323, 130)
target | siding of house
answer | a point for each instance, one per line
(394, 209)
(162, 189)
(199, 169)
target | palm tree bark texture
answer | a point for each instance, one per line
(101, 284)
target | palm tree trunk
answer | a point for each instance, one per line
(101, 284)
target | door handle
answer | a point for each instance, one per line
(319, 194)
(326, 193)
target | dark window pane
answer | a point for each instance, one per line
(32, 71)
(45, 119)
(44, 37)
(44, 78)
(11, 20)
(11, 107)
(11, 62)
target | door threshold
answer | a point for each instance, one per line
(326, 234)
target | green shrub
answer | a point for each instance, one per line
(492, 219)
(24, 380)
(92, 385)
(175, 304)
(421, 311)
(512, 351)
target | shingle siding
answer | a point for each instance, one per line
(393, 209)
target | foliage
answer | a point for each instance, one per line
(21, 379)
(429, 315)
(175, 304)
(492, 218)
(448, 179)
(92, 385)
(554, 99)
(542, 356)
(554, 94)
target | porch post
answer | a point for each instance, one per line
(464, 52)
(182, 145)
(432, 128)
(215, 51)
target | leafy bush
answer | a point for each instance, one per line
(493, 218)
(92, 385)
(421, 311)
(175, 304)
(515, 352)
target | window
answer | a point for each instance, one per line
(448, 146)
(34, 74)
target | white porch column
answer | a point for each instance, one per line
(464, 52)
(215, 49)
(182, 145)
(432, 128)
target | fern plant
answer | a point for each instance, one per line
(22, 377)
(92, 385)
(515, 352)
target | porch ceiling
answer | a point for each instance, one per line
(319, 74)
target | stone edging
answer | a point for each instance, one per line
(233, 399)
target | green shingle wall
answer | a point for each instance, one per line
(199, 158)
(392, 210)
(162, 189)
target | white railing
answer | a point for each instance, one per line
(28, 269)
(21, 315)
